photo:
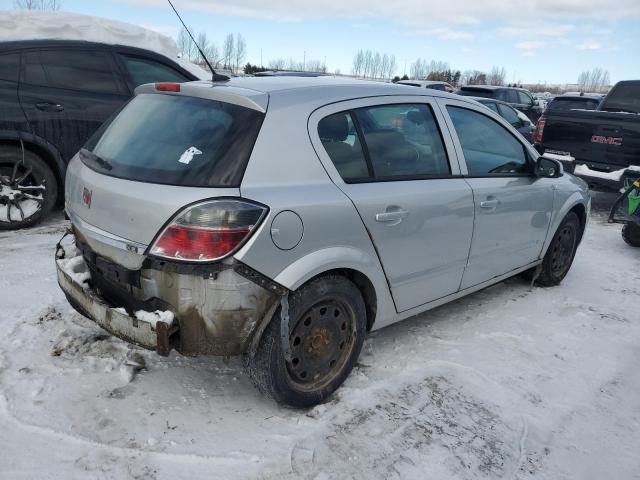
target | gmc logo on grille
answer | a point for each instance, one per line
(617, 141)
(86, 197)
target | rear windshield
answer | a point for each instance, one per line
(564, 104)
(623, 98)
(175, 140)
(476, 92)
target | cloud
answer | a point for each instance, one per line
(443, 33)
(411, 12)
(590, 45)
(532, 45)
(536, 30)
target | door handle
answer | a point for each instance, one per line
(393, 216)
(489, 204)
(49, 107)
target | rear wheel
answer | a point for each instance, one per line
(327, 325)
(631, 234)
(562, 250)
(28, 188)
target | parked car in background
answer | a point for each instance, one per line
(196, 230)
(518, 98)
(53, 95)
(433, 84)
(516, 118)
(575, 101)
(604, 143)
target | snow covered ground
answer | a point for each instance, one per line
(509, 383)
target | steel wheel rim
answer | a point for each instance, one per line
(20, 196)
(321, 344)
(562, 250)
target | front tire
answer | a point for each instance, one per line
(327, 326)
(631, 234)
(28, 189)
(562, 250)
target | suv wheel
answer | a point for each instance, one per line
(562, 250)
(28, 188)
(631, 234)
(327, 325)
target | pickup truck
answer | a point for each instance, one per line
(604, 143)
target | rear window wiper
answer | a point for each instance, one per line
(95, 159)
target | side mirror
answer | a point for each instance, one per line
(548, 167)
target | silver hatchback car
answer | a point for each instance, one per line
(283, 218)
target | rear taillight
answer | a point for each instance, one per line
(540, 129)
(168, 87)
(208, 231)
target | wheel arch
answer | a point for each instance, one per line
(575, 203)
(45, 150)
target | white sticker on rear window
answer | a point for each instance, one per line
(188, 154)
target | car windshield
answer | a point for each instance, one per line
(176, 140)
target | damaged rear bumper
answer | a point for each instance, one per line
(219, 313)
(148, 334)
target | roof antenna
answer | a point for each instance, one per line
(215, 77)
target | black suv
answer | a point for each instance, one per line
(53, 95)
(518, 98)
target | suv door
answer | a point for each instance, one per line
(512, 206)
(401, 173)
(67, 93)
(528, 106)
(11, 115)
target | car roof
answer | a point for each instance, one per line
(571, 96)
(490, 87)
(314, 92)
(422, 82)
(492, 100)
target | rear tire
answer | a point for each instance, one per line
(22, 203)
(327, 326)
(631, 234)
(562, 250)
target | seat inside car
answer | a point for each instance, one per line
(349, 160)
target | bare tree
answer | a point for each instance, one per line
(392, 66)
(228, 50)
(595, 80)
(240, 50)
(37, 4)
(497, 76)
(358, 63)
(473, 77)
(277, 64)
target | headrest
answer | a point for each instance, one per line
(415, 116)
(334, 128)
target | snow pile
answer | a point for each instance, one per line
(154, 317)
(35, 25)
(76, 268)
(560, 158)
(616, 175)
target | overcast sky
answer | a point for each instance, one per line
(535, 40)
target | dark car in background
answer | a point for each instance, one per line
(519, 98)
(54, 94)
(566, 102)
(432, 84)
(516, 118)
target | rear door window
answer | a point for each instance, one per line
(403, 141)
(510, 96)
(10, 67)
(89, 70)
(491, 106)
(144, 70)
(176, 140)
(489, 149)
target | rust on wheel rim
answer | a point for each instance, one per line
(562, 250)
(321, 343)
